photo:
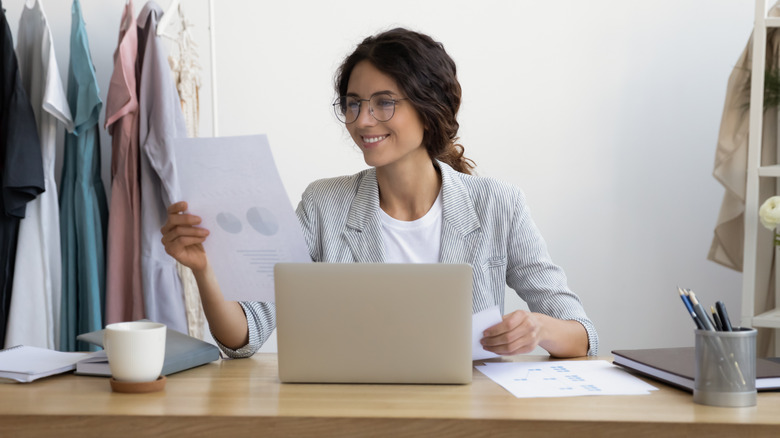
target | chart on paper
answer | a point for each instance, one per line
(233, 185)
(563, 378)
(553, 378)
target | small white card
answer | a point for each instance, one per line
(479, 322)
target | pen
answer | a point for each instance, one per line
(689, 306)
(724, 316)
(716, 319)
(700, 312)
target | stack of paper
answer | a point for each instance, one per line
(96, 364)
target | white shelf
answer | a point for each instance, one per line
(757, 265)
(770, 171)
(769, 319)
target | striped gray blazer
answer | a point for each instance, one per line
(485, 223)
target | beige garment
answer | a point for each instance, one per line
(192, 305)
(731, 171)
(186, 73)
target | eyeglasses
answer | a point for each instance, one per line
(380, 106)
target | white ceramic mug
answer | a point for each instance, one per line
(135, 350)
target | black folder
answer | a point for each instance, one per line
(677, 366)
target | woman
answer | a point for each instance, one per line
(399, 97)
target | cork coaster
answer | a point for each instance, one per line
(138, 387)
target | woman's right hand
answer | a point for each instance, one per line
(182, 239)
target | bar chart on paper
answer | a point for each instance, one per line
(563, 378)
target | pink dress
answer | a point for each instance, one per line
(124, 288)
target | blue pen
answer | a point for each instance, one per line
(689, 306)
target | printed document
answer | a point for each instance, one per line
(233, 185)
(564, 378)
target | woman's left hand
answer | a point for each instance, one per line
(519, 332)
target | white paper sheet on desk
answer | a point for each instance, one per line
(564, 378)
(233, 185)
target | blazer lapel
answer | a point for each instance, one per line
(364, 230)
(460, 234)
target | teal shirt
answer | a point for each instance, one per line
(83, 207)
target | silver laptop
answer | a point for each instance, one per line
(373, 323)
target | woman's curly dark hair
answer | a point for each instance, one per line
(427, 76)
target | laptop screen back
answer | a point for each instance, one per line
(374, 323)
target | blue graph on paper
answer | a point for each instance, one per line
(554, 378)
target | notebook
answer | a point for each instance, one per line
(374, 323)
(677, 366)
(182, 352)
(24, 363)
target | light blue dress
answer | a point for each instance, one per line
(83, 208)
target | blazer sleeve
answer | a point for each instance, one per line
(536, 279)
(307, 218)
(261, 321)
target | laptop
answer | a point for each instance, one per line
(374, 322)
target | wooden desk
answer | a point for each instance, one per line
(238, 398)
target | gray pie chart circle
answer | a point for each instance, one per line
(262, 220)
(229, 223)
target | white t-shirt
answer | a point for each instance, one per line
(417, 241)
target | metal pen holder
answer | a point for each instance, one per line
(725, 368)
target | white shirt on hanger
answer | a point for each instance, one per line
(35, 299)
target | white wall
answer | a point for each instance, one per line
(605, 112)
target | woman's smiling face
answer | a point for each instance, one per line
(393, 141)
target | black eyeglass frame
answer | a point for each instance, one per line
(341, 116)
